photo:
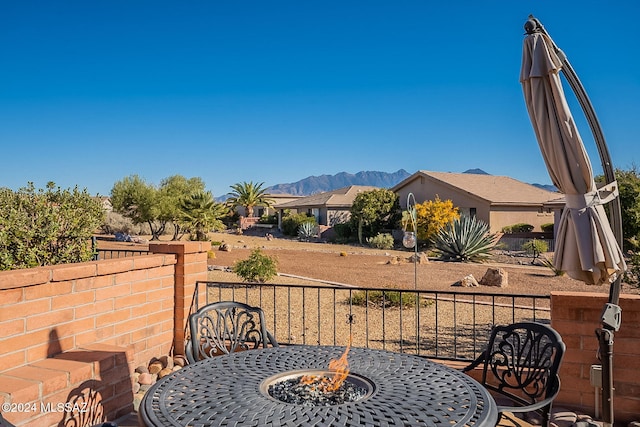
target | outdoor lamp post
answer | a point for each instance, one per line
(410, 238)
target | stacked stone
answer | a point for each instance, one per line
(146, 376)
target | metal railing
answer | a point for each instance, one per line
(100, 254)
(445, 325)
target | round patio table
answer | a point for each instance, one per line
(228, 390)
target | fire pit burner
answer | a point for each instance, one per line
(288, 388)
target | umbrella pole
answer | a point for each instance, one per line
(610, 319)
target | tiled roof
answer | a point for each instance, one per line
(342, 197)
(501, 190)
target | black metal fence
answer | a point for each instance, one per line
(100, 254)
(445, 325)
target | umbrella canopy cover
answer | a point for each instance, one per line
(586, 248)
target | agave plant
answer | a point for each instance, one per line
(465, 239)
(307, 230)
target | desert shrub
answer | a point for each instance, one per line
(551, 266)
(46, 227)
(518, 228)
(384, 298)
(632, 275)
(292, 222)
(431, 216)
(547, 228)
(381, 241)
(258, 268)
(268, 219)
(117, 223)
(535, 248)
(307, 231)
(465, 239)
(343, 231)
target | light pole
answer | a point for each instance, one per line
(410, 238)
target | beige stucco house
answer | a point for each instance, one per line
(497, 200)
(329, 208)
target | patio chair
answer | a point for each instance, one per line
(226, 327)
(520, 368)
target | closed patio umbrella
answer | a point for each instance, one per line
(587, 248)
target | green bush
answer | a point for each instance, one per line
(384, 298)
(343, 231)
(547, 228)
(518, 228)
(292, 222)
(268, 219)
(46, 227)
(258, 268)
(381, 241)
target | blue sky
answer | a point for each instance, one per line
(273, 92)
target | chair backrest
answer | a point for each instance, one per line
(226, 327)
(522, 360)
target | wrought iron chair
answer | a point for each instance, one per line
(225, 327)
(520, 367)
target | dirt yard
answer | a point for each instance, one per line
(362, 266)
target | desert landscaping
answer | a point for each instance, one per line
(362, 266)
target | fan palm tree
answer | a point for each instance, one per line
(201, 213)
(249, 195)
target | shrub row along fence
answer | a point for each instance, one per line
(445, 325)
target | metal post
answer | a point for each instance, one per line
(611, 315)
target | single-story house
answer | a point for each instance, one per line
(329, 208)
(261, 210)
(497, 200)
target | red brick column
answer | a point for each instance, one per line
(191, 266)
(576, 316)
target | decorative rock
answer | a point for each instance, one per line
(166, 361)
(422, 258)
(145, 379)
(179, 360)
(164, 372)
(468, 282)
(142, 369)
(176, 368)
(155, 367)
(136, 387)
(137, 399)
(495, 277)
(144, 387)
(225, 248)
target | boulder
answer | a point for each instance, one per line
(495, 277)
(468, 282)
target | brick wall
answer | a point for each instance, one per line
(576, 317)
(74, 333)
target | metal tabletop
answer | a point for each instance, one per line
(225, 391)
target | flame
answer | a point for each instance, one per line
(340, 367)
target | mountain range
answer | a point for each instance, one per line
(319, 184)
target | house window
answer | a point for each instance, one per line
(472, 212)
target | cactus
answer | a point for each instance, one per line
(465, 239)
(306, 231)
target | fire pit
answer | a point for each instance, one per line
(291, 387)
(389, 389)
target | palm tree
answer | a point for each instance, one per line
(249, 195)
(200, 213)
